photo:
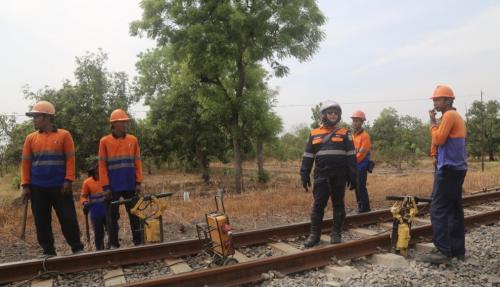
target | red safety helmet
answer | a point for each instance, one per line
(358, 114)
(118, 115)
(443, 91)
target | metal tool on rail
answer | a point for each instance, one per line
(216, 234)
(148, 209)
(403, 211)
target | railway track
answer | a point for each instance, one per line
(288, 258)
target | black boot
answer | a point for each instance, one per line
(315, 233)
(338, 222)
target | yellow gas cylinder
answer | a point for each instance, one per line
(403, 237)
(152, 231)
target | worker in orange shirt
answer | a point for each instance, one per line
(93, 202)
(363, 144)
(447, 213)
(47, 173)
(120, 173)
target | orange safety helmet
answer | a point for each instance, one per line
(443, 91)
(358, 114)
(118, 115)
(42, 107)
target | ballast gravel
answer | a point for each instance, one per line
(480, 268)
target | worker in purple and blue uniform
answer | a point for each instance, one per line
(363, 145)
(92, 199)
(47, 175)
(447, 213)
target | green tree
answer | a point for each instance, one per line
(290, 146)
(221, 40)
(483, 118)
(7, 123)
(315, 116)
(178, 125)
(399, 138)
(83, 108)
(14, 135)
(261, 125)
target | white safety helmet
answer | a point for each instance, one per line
(326, 105)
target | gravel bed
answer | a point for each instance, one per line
(481, 268)
(147, 270)
(259, 251)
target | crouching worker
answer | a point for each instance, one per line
(332, 151)
(93, 200)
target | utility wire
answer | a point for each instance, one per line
(313, 105)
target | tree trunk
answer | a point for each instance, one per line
(260, 159)
(491, 154)
(203, 163)
(235, 126)
(238, 162)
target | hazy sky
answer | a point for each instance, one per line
(376, 53)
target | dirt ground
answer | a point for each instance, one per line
(280, 201)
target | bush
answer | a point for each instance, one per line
(263, 176)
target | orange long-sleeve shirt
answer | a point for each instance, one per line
(363, 144)
(48, 159)
(449, 137)
(92, 193)
(120, 166)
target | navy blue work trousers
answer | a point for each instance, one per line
(99, 226)
(361, 192)
(114, 215)
(42, 202)
(326, 187)
(447, 213)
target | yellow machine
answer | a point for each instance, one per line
(403, 210)
(149, 209)
(216, 234)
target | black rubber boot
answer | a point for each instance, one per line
(338, 222)
(315, 232)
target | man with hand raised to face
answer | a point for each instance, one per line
(447, 213)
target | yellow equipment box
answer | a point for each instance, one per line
(220, 233)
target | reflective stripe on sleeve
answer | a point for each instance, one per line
(308, 154)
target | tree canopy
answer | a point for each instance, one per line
(223, 42)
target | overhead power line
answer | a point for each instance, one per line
(312, 105)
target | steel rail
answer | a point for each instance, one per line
(285, 264)
(22, 270)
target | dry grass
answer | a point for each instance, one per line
(280, 201)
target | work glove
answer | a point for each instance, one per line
(25, 193)
(351, 182)
(306, 183)
(67, 188)
(86, 208)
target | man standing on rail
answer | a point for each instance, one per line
(331, 149)
(120, 174)
(363, 144)
(447, 214)
(47, 173)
